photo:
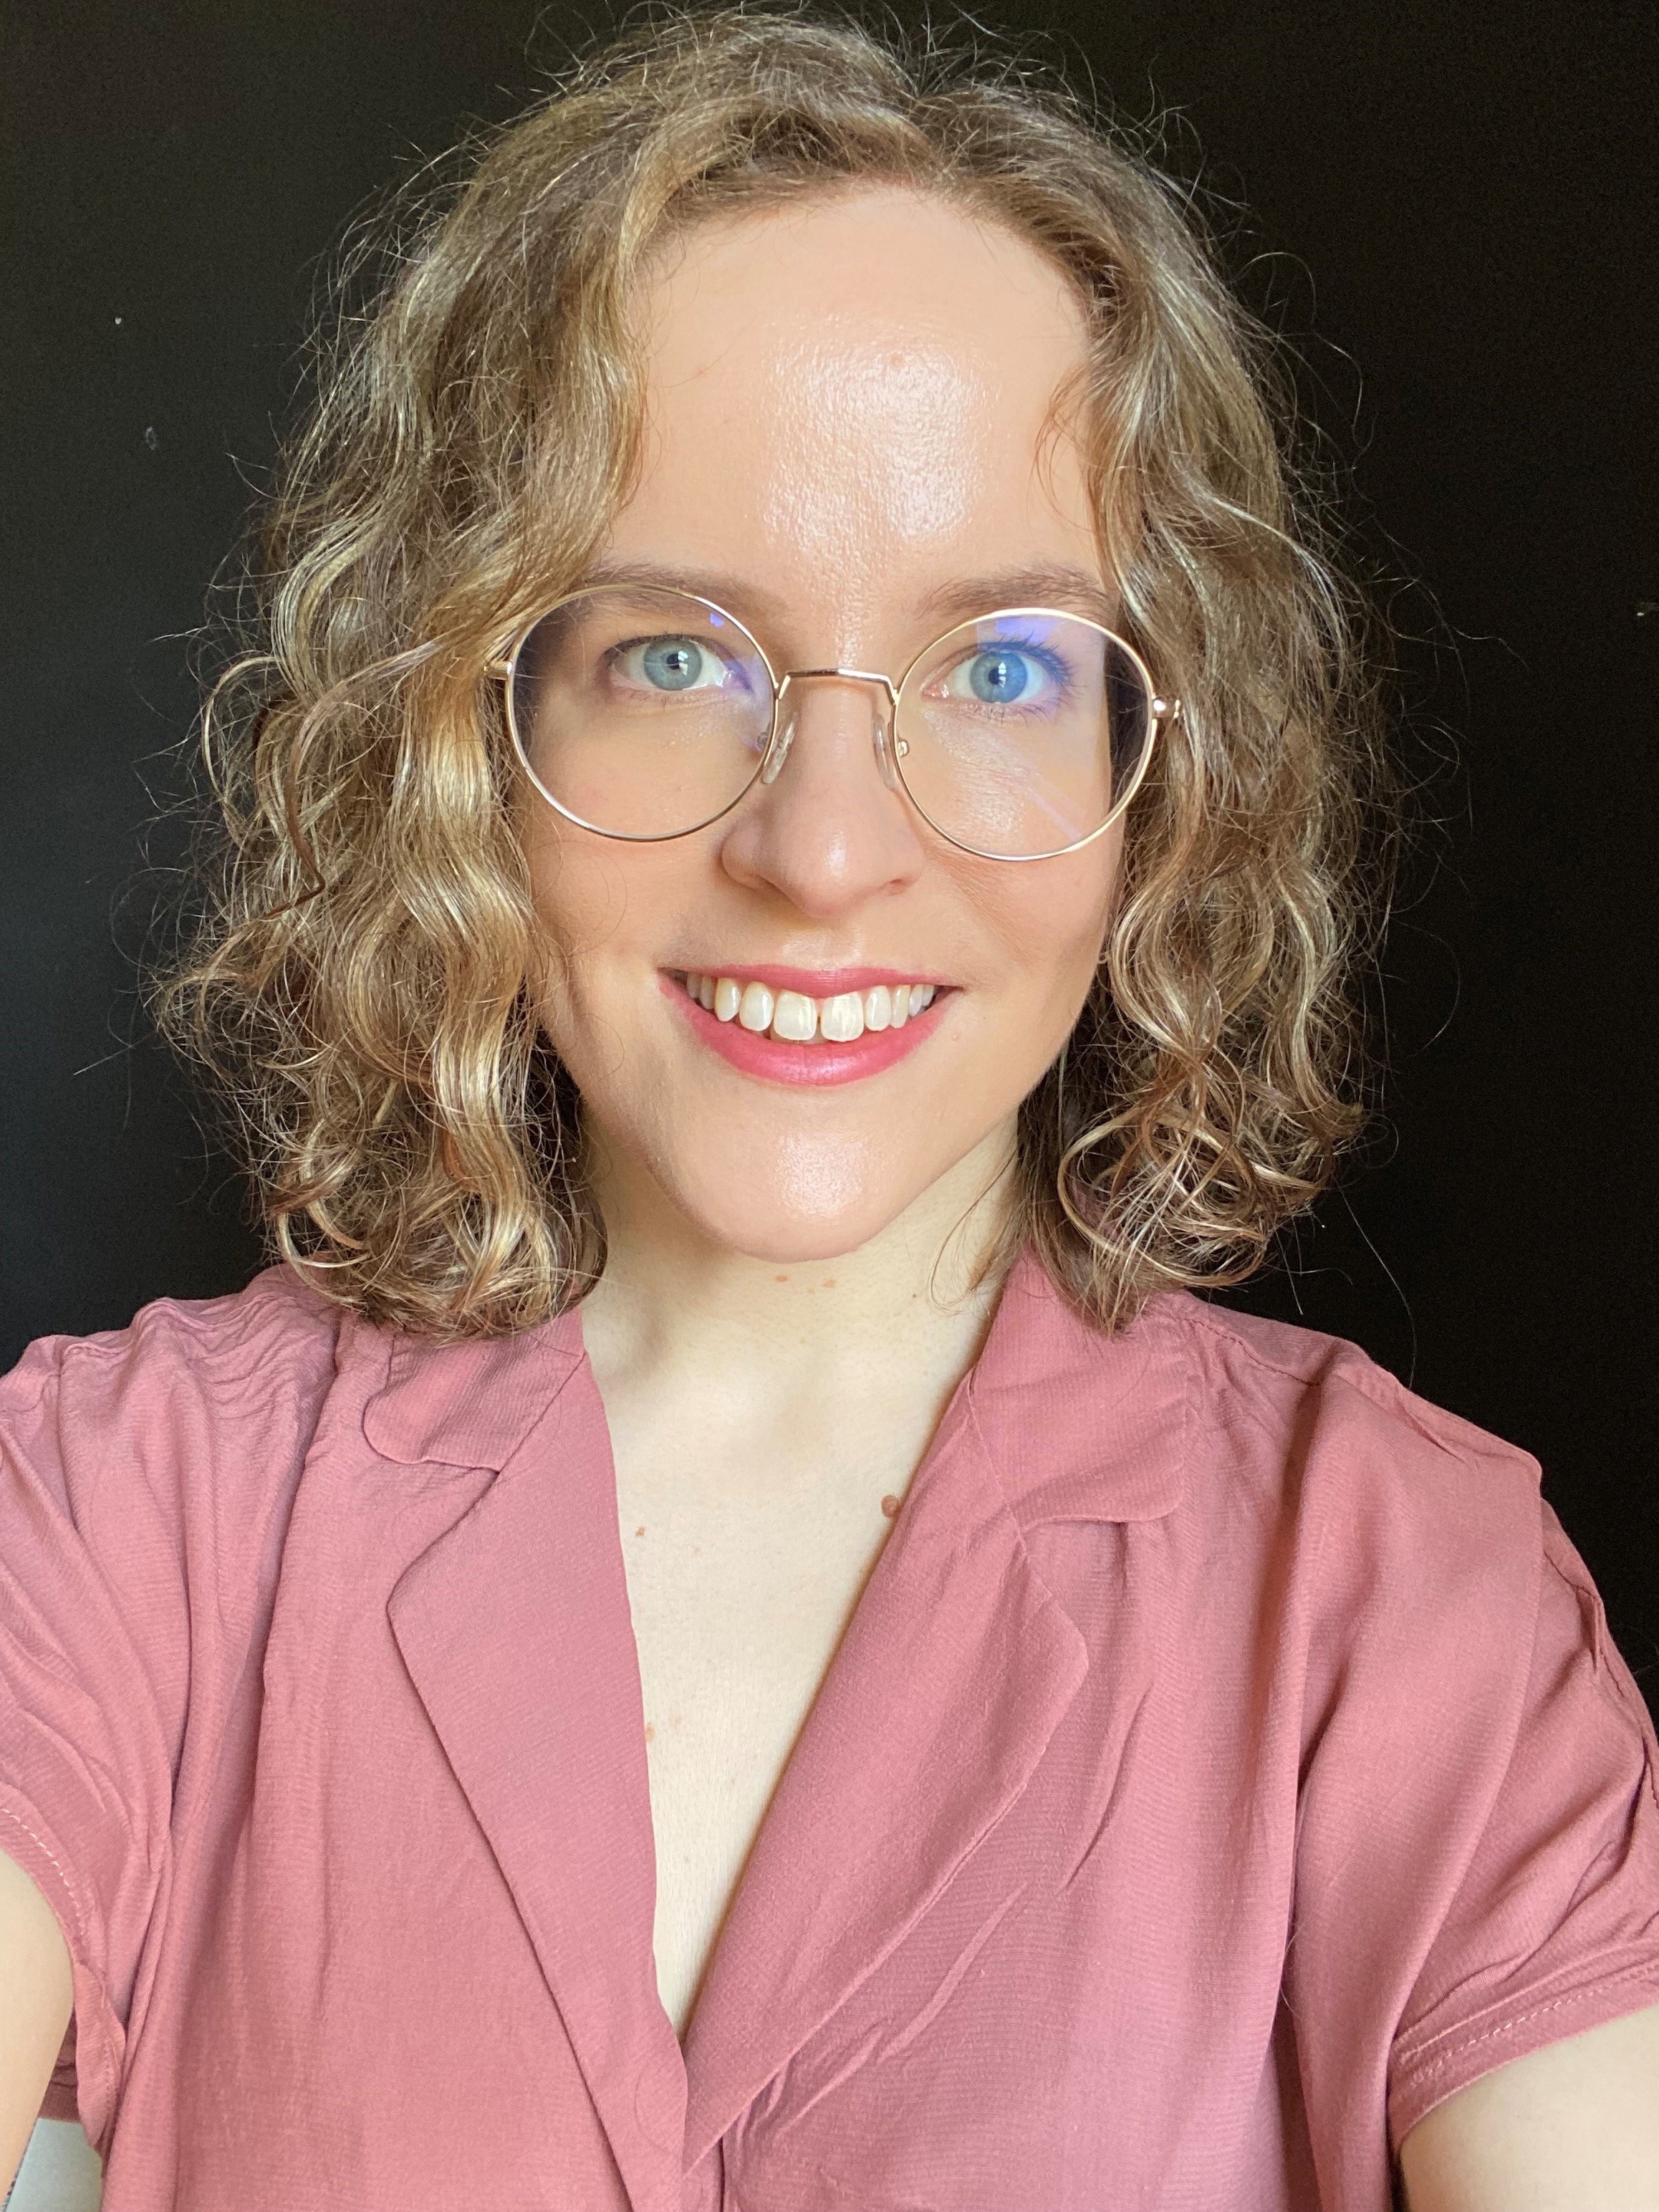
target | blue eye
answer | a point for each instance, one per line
(679, 674)
(1006, 673)
(1000, 677)
(673, 663)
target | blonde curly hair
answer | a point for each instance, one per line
(356, 977)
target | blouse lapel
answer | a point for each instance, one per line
(515, 1629)
(952, 1675)
(955, 1669)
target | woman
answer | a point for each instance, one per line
(723, 1628)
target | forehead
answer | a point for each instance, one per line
(850, 384)
(872, 259)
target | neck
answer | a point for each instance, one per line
(756, 1344)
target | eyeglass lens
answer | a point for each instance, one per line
(646, 714)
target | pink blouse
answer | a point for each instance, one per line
(1226, 1762)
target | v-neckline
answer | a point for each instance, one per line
(956, 1535)
(955, 1668)
(848, 1559)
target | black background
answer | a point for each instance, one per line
(1450, 216)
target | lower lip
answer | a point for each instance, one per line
(755, 1052)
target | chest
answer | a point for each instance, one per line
(1008, 1951)
(738, 1608)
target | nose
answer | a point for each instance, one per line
(884, 731)
(827, 823)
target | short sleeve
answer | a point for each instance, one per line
(95, 1653)
(1554, 1927)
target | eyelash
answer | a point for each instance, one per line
(1051, 663)
(614, 655)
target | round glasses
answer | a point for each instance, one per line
(645, 713)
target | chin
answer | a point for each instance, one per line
(793, 1239)
(793, 1244)
(809, 1201)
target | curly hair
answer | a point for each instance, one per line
(357, 975)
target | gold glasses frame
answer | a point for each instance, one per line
(889, 746)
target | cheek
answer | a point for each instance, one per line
(582, 901)
(1052, 919)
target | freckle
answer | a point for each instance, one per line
(650, 1733)
(696, 1551)
(889, 1506)
(640, 1531)
(828, 1283)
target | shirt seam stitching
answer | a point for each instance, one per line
(1411, 2070)
(105, 2075)
(63, 1872)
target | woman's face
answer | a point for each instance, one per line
(850, 446)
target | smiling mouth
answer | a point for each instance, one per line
(793, 1017)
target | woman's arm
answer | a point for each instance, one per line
(36, 1998)
(1572, 2127)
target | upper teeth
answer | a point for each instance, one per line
(792, 1016)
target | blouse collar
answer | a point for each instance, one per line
(1078, 1426)
(955, 1669)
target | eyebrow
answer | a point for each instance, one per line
(738, 595)
(1043, 584)
(1058, 584)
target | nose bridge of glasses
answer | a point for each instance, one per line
(783, 735)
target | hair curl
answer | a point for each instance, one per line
(355, 979)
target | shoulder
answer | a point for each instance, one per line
(145, 1476)
(274, 1330)
(1401, 1516)
(187, 1381)
(1319, 1399)
(1236, 1423)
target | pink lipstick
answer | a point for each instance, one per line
(774, 1059)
